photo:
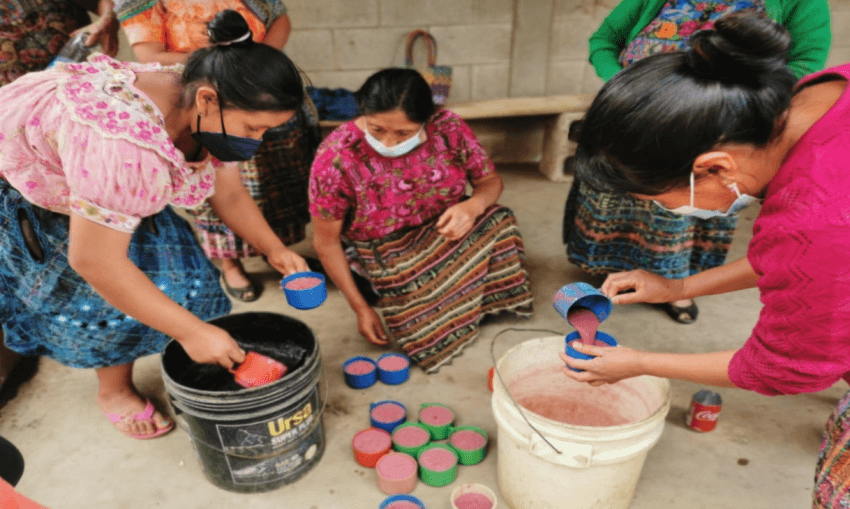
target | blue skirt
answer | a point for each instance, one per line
(46, 308)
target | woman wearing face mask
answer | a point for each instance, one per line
(389, 186)
(728, 124)
(95, 269)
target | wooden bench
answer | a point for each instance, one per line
(556, 112)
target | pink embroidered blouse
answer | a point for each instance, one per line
(801, 251)
(378, 195)
(83, 139)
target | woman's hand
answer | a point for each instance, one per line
(609, 365)
(287, 262)
(104, 31)
(458, 219)
(212, 345)
(369, 324)
(647, 287)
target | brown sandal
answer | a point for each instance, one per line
(247, 293)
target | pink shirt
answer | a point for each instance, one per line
(84, 139)
(378, 195)
(801, 251)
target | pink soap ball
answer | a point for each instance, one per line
(468, 440)
(393, 363)
(360, 367)
(396, 466)
(303, 283)
(372, 441)
(403, 504)
(388, 412)
(436, 415)
(411, 436)
(473, 501)
(437, 459)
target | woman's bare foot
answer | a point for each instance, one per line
(128, 404)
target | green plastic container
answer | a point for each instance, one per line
(413, 451)
(432, 477)
(474, 456)
(437, 432)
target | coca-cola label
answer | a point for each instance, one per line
(702, 417)
(706, 415)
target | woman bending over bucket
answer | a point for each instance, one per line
(742, 130)
(95, 269)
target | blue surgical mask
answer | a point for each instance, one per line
(740, 203)
(226, 147)
(397, 150)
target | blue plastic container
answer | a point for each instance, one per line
(394, 377)
(583, 295)
(360, 381)
(308, 298)
(389, 427)
(401, 498)
(575, 354)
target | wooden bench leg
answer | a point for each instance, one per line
(556, 146)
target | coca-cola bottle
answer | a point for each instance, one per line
(75, 50)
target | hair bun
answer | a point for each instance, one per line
(743, 47)
(229, 27)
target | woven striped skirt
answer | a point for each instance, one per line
(607, 233)
(832, 477)
(46, 308)
(277, 178)
(434, 291)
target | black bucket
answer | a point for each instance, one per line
(258, 439)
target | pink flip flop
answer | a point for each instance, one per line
(144, 415)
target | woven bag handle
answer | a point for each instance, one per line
(411, 40)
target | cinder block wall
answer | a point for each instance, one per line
(497, 48)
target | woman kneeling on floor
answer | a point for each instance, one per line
(95, 269)
(389, 186)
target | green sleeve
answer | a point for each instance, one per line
(616, 30)
(808, 22)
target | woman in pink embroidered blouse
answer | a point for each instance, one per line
(389, 187)
(95, 269)
(740, 130)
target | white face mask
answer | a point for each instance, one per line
(740, 203)
(397, 150)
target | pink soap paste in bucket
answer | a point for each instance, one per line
(360, 367)
(411, 436)
(546, 391)
(396, 466)
(303, 283)
(437, 459)
(403, 504)
(473, 501)
(388, 412)
(586, 323)
(393, 363)
(436, 415)
(468, 440)
(372, 441)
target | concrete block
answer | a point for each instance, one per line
(350, 13)
(566, 77)
(838, 56)
(311, 50)
(461, 84)
(510, 140)
(570, 35)
(592, 83)
(839, 5)
(490, 81)
(564, 8)
(492, 11)
(556, 147)
(530, 56)
(371, 47)
(473, 44)
(425, 12)
(351, 80)
(840, 29)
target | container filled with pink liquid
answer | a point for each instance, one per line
(585, 308)
(473, 496)
(305, 290)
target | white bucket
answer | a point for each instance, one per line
(598, 466)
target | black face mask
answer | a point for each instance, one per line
(223, 147)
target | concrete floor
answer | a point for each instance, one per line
(762, 454)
